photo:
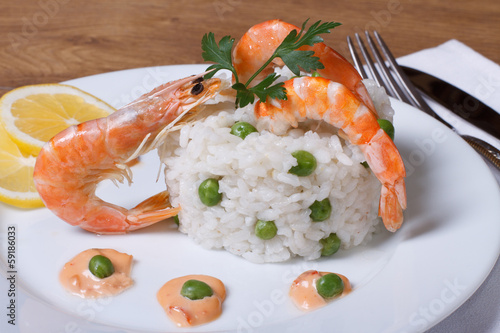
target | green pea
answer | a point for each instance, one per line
(195, 289)
(306, 163)
(101, 267)
(330, 285)
(387, 126)
(265, 229)
(320, 210)
(331, 244)
(242, 129)
(208, 192)
(176, 219)
(316, 74)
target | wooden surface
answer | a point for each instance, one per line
(55, 40)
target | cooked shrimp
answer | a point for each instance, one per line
(260, 41)
(320, 99)
(70, 165)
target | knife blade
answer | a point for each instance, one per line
(456, 100)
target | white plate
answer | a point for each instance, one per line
(403, 282)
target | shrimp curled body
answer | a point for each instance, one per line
(318, 98)
(71, 164)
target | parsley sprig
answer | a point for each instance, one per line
(296, 60)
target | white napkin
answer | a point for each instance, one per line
(461, 66)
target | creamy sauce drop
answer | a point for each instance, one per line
(304, 294)
(185, 312)
(77, 279)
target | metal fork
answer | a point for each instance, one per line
(387, 73)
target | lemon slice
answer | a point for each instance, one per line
(16, 175)
(32, 115)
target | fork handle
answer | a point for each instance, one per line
(485, 149)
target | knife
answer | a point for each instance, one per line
(429, 85)
(459, 102)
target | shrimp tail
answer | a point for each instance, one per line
(151, 210)
(391, 205)
(400, 188)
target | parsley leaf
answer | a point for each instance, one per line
(311, 35)
(295, 59)
(262, 90)
(220, 54)
(244, 96)
(265, 89)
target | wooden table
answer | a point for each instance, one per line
(55, 40)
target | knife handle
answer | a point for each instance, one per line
(485, 149)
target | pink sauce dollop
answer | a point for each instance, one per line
(78, 280)
(185, 312)
(304, 294)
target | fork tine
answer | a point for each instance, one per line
(369, 62)
(395, 81)
(391, 83)
(410, 89)
(357, 61)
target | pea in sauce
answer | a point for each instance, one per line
(184, 309)
(304, 294)
(79, 280)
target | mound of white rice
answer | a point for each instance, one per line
(255, 185)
